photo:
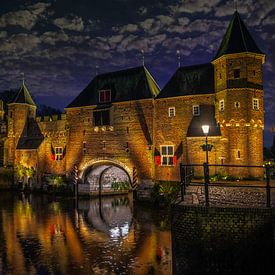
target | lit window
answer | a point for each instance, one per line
(58, 153)
(255, 103)
(104, 96)
(221, 105)
(196, 110)
(171, 111)
(237, 104)
(102, 118)
(237, 73)
(167, 155)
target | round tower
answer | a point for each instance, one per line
(20, 109)
(239, 97)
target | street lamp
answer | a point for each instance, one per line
(205, 129)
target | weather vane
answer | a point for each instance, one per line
(236, 4)
(178, 57)
(142, 57)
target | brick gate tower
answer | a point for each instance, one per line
(239, 104)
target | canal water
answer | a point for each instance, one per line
(47, 235)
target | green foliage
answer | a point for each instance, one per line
(124, 185)
(57, 180)
(23, 171)
(165, 191)
(57, 184)
(220, 177)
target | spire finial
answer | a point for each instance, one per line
(23, 78)
(142, 57)
(96, 69)
(178, 57)
(236, 5)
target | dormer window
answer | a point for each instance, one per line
(104, 96)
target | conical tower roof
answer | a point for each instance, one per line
(237, 39)
(23, 96)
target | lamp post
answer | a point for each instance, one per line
(205, 129)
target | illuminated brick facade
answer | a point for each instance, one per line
(123, 118)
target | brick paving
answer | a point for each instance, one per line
(231, 196)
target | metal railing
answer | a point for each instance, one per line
(187, 175)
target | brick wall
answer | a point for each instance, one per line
(222, 240)
(131, 125)
(173, 130)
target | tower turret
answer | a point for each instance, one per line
(20, 109)
(239, 94)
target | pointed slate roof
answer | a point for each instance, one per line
(23, 96)
(31, 137)
(191, 80)
(207, 116)
(237, 39)
(130, 84)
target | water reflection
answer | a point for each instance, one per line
(42, 236)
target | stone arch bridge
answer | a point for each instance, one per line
(105, 176)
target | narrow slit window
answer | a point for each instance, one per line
(221, 105)
(237, 104)
(84, 147)
(171, 112)
(237, 73)
(255, 104)
(196, 110)
(238, 154)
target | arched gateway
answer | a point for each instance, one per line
(106, 176)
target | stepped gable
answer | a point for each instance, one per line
(207, 116)
(130, 84)
(237, 39)
(31, 137)
(191, 80)
(23, 96)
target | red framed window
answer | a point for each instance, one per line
(104, 96)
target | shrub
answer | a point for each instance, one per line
(124, 185)
(165, 191)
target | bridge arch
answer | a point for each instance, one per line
(106, 175)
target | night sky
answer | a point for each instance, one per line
(60, 45)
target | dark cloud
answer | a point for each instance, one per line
(60, 45)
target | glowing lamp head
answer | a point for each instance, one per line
(205, 129)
